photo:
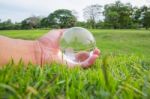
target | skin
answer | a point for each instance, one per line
(43, 51)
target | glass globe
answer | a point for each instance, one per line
(77, 44)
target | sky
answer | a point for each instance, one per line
(17, 10)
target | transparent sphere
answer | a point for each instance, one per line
(77, 44)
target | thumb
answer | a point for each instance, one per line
(52, 37)
(57, 34)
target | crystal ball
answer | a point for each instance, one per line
(77, 44)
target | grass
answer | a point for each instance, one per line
(122, 72)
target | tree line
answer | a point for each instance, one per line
(111, 16)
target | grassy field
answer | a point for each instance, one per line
(122, 72)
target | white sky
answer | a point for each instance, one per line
(18, 10)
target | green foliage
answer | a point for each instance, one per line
(92, 15)
(122, 71)
(8, 25)
(113, 41)
(61, 18)
(31, 22)
(146, 20)
(136, 17)
(117, 15)
(123, 77)
(145, 17)
(81, 24)
(44, 23)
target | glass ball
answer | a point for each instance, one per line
(77, 44)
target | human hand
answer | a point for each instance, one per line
(49, 44)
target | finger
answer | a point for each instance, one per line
(57, 34)
(82, 56)
(96, 51)
(89, 62)
(85, 61)
(61, 31)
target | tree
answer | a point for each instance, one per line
(81, 24)
(136, 17)
(17, 26)
(6, 25)
(44, 22)
(75, 13)
(92, 14)
(31, 22)
(61, 18)
(118, 15)
(145, 17)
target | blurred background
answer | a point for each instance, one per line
(97, 14)
(121, 30)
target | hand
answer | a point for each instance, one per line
(49, 44)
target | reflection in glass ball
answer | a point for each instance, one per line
(77, 44)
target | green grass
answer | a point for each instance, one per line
(123, 71)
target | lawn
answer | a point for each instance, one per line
(123, 70)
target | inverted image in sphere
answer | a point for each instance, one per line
(77, 44)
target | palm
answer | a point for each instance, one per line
(52, 41)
